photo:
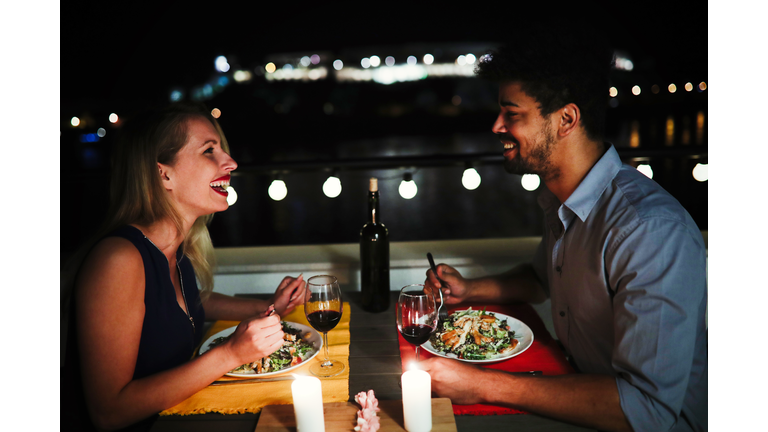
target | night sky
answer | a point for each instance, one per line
(119, 53)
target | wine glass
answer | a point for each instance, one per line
(323, 307)
(416, 314)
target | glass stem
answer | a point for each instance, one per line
(327, 361)
(417, 353)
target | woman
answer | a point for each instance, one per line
(137, 313)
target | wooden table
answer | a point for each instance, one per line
(374, 359)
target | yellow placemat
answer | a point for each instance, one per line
(247, 397)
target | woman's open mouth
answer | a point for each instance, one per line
(220, 185)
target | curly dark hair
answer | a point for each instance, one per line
(557, 64)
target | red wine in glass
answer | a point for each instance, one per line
(325, 320)
(323, 308)
(416, 314)
(417, 334)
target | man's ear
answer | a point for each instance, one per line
(570, 119)
(163, 171)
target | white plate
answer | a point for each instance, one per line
(314, 338)
(523, 334)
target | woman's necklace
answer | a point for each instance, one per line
(183, 294)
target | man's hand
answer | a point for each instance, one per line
(455, 287)
(461, 382)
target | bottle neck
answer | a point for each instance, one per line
(373, 208)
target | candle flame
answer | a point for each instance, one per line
(413, 366)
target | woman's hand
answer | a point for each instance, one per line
(255, 338)
(455, 287)
(289, 294)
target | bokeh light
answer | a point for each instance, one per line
(270, 67)
(375, 61)
(672, 88)
(471, 179)
(221, 63)
(113, 118)
(702, 86)
(645, 169)
(332, 187)
(75, 121)
(408, 188)
(428, 59)
(338, 64)
(216, 113)
(231, 195)
(636, 90)
(688, 86)
(277, 190)
(530, 182)
(613, 92)
(701, 172)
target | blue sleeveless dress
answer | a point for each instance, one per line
(168, 336)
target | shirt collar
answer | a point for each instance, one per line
(584, 198)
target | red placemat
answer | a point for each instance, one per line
(544, 354)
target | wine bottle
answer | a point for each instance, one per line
(374, 256)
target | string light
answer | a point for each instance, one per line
(231, 195)
(470, 179)
(277, 190)
(645, 169)
(332, 187)
(530, 182)
(701, 172)
(408, 188)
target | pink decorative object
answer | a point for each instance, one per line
(367, 420)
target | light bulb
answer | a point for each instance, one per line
(231, 195)
(332, 187)
(701, 172)
(645, 169)
(530, 182)
(277, 190)
(470, 179)
(408, 188)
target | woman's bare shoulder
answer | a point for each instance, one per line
(112, 259)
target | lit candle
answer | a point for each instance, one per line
(417, 401)
(308, 404)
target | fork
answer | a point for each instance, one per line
(441, 313)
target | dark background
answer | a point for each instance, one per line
(123, 57)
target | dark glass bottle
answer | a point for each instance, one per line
(374, 256)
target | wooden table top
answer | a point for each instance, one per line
(374, 359)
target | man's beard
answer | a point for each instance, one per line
(538, 162)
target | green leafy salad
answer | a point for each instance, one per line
(294, 350)
(474, 335)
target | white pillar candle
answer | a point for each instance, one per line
(417, 401)
(308, 404)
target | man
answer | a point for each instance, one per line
(622, 262)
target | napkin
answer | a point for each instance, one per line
(251, 398)
(544, 354)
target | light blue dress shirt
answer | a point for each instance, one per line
(625, 268)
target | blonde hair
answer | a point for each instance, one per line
(137, 195)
